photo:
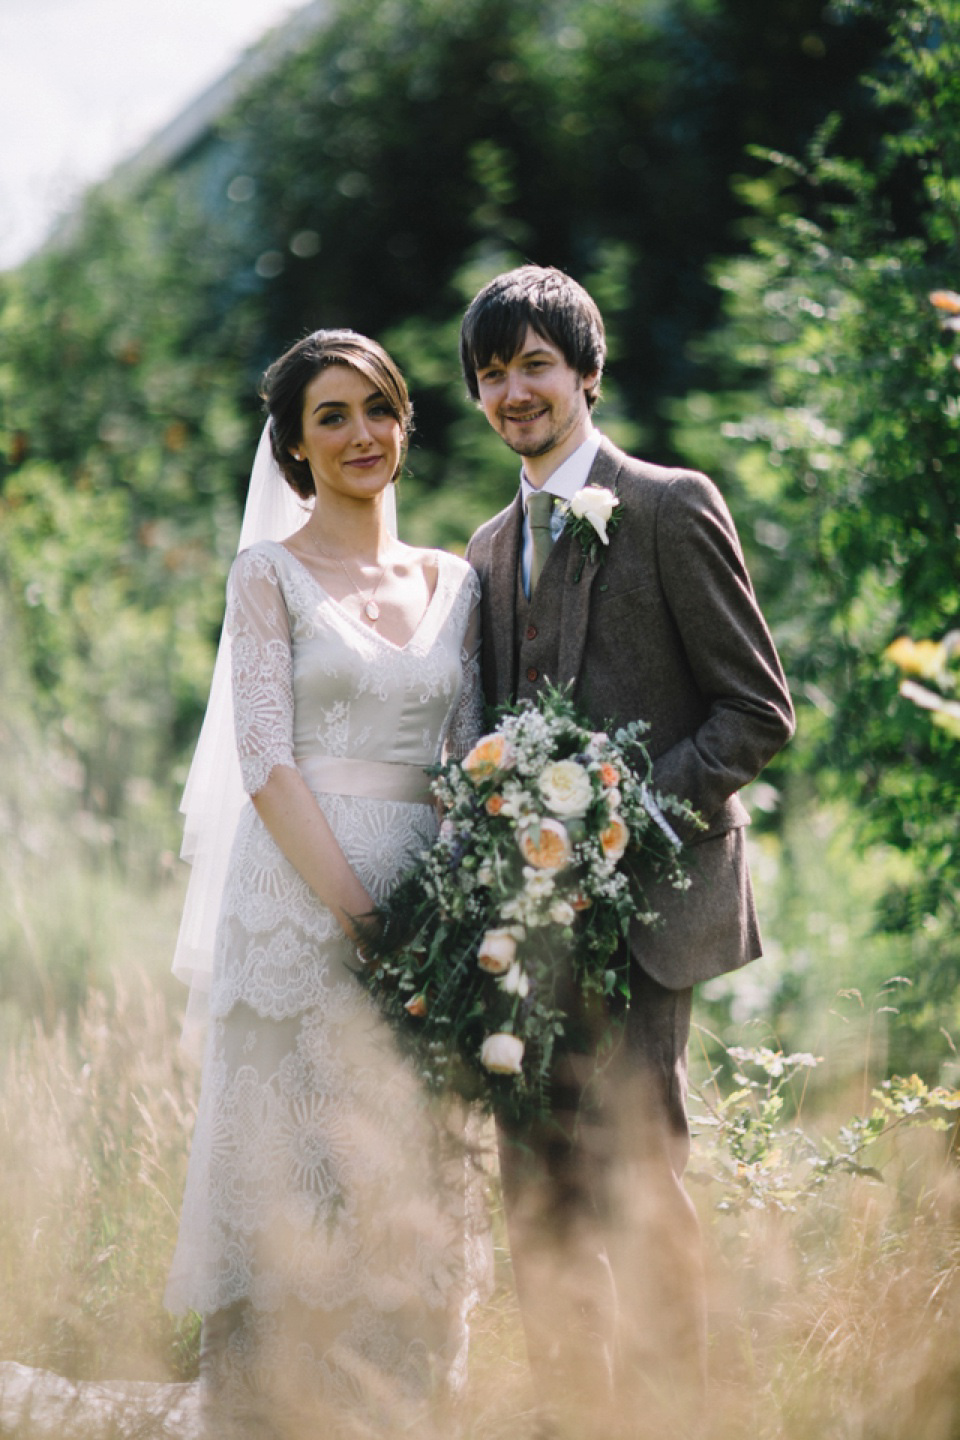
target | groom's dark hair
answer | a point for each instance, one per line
(549, 302)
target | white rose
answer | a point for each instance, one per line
(562, 913)
(497, 952)
(515, 982)
(596, 504)
(502, 1053)
(566, 788)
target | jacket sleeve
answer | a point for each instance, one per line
(728, 647)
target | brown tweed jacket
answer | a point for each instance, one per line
(665, 628)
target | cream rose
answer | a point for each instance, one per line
(565, 787)
(595, 503)
(502, 1053)
(498, 950)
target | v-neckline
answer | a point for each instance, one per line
(354, 621)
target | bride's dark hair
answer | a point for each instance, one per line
(284, 383)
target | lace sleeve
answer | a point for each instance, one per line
(466, 725)
(259, 629)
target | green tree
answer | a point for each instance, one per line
(839, 427)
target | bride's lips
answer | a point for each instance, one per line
(365, 462)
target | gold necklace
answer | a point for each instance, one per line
(370, 607)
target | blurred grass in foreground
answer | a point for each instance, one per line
(833, 1244)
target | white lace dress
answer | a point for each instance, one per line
(323, 1193)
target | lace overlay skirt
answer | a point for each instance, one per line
(333, 1211)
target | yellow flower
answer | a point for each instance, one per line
(925, 658)
(545, 845)
(490, 756)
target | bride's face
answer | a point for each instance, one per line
(349, 435)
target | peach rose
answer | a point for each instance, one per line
(490, 756)
(545, 845)
(498, 950)
(494, 805)
(609, 775)
(614, 838)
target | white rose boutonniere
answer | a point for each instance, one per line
(591, 516)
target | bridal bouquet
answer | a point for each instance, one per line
(511, 925)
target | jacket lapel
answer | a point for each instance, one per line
(502, 593)
(575, 605)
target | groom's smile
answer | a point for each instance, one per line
(535, 401)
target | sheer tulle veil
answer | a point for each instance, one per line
(213, 796)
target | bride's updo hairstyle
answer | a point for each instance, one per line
(285, 381)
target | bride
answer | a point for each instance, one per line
(330, 1235)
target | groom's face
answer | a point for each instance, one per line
(535, 401)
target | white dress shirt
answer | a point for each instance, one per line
(564, 483)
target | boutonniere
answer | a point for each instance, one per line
(591, 516)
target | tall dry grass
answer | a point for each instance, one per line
(95, 1120)
(833, 1253)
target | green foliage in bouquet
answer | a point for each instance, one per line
(511, 931)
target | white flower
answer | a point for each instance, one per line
(497, 952)
(596, 504)
(537, 883)
(515, 982)
(516, 803)
(485, 875)
(502, 1053)
(562, 913)
(566, 788)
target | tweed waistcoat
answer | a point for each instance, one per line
(537, 653)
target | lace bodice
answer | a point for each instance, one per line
(311, 681)
(310, 678)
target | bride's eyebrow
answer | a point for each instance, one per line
(344, 404)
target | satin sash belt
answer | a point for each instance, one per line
(371, 779)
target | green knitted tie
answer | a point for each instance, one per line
(539, 510)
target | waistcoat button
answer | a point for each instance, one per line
(531, 632)
(532, 673)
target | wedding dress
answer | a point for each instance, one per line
(327, 1204)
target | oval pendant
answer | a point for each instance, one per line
(372, 610)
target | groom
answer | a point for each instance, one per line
(660, 625)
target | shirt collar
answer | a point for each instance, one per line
(569, 477)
